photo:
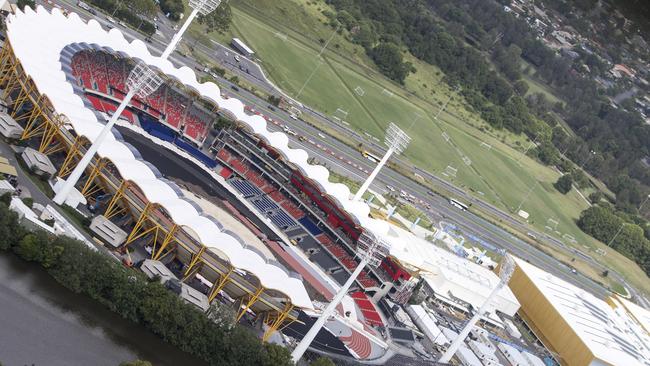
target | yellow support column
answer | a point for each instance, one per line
(23, 96)
(94, 173)
(138, 224)
(66, 167)
(252, 299)
(155, 255)
(275, 324)
(218, 286)
(113, 208)
(193, 267)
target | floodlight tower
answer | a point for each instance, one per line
(507, 269)
(397, 140)
(371, 250)
(142, 81)
(203, 7)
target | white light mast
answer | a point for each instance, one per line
(142, 81)
(372, 251)
(397, 140)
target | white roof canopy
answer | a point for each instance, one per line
(38, 39)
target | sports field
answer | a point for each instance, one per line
(483, 162)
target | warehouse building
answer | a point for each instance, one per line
(581, 329)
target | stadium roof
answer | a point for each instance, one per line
(39, 38)
(604, 331)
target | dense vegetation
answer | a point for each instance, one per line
(623, 233)
(131, 295)
(136, 12)
(480, 48)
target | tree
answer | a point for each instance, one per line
(277, 355)
(172, 8)
(219, 20)
(22, 3)
(521, 87)
(322, 361)
(389, 60)
(136, 363)
(564, 184)
(144, 9)
(10, 231)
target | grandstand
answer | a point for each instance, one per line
(293, 197)
(103, 78)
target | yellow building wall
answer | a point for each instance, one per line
(547, 323)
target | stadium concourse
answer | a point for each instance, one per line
(63, 76)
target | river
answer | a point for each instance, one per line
(44, 324)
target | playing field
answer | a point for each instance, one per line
(369, 104)
(482, 162)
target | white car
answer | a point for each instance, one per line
(237, 58)
(390, 188)
(293, 116)
(110, 20)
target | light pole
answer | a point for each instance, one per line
(527, 195)
(623, 224)
(507, 269)
(397, 140)
(142, 81)
(372, 251)
(591, 155)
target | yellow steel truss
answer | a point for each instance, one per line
(195, 264)
(275, 319)
(217, 286)
(251, 299)
(171, 236)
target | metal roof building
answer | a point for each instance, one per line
(582, 329)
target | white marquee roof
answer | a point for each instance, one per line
(38, 39)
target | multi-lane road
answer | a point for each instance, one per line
(346, 160)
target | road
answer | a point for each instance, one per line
(347, 161)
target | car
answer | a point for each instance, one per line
(322, 136)
(110, 20)
(271, 107)
(234, 88)
(237, 58)
(573, 270)
(122, 23)
(430, 193)
(92, 11)
(390, 188)
(293, 116)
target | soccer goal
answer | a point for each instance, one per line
(569, 238)
(445, 136)
(387, 93)
(467, 161)
(359, 90)
(486, 145)
(341, 112)
(552, 224)
(450, 171)
(282, 36)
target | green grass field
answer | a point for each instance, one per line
(497, 171)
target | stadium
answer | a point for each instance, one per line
(233, 213)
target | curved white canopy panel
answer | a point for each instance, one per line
(38, 39)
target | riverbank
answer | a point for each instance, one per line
(44, 323)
